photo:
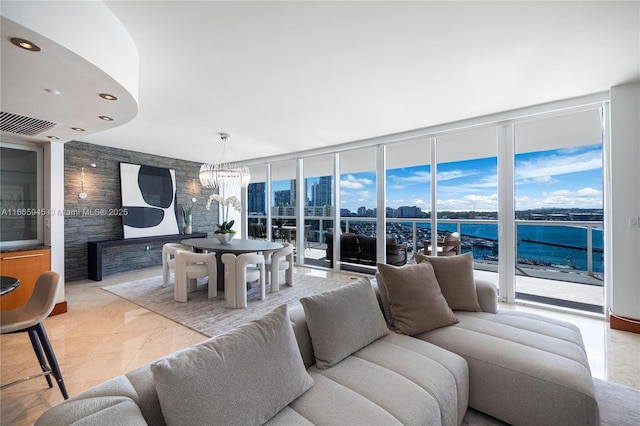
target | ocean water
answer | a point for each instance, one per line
(557, 246)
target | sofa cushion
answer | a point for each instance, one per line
(343, 321)
(394, 380)
(205, 384)
(415, 300)
(455, 277)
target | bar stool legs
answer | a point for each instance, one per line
(40, 343)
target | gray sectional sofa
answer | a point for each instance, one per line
(334, 360)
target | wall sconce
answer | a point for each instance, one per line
(193, 191)
(83, 194)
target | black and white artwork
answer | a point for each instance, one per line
(149, 200)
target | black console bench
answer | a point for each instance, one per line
(96, 248)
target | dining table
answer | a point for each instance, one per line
(8, 284)
(236, 246)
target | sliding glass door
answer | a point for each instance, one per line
(559, 210)
(319, 207)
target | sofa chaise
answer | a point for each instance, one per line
(334, 360)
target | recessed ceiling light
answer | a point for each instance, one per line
(53, 138)
(53, 91)
(25, 44)
(105, 118)
(108, 97)
(78, 129)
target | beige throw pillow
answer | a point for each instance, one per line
(415, 299)
(455, 276)
(242, 377)
(343, 321)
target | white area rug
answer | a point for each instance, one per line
(211, 317)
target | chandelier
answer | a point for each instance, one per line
(224, 175)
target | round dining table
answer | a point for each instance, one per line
(8, 284)
(235, 246)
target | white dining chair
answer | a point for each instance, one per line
(238, 271)
(169, 260)
(189, 267)
(280, 260)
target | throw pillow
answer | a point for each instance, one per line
(415, 299)
(455, 276)
(242, 377)
(343, 321)
(384, 300)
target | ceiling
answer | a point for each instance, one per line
(282, 77)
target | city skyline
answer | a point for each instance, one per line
(560, 178)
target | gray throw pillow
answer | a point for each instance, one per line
(384, 300)
(455, 276)
(415, 300)
(343, 321)
(242, 377)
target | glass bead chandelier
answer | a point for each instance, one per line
(224, 175)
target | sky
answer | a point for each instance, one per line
(562, 178)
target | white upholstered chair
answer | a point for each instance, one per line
(238, 271)
(189, 267)
(280, 260)
(169, 260)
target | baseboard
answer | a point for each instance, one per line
(60, 308)
(625, 324)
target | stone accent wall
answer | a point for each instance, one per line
(97, 218)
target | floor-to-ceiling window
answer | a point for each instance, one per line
(559, 210)
(284, 199)
(358, 203)
(523, 191)
(408, 193)
(257, 196)
(467, 192)
(318, 211)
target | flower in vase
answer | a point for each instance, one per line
(225, 226)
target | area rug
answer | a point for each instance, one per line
(211, 317)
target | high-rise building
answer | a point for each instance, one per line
(256, 198)
(321, 192)
(409, 211)
(282, 198)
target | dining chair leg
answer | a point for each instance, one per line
(51, 357)
(33, 336)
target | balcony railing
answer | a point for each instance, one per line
(554, 245)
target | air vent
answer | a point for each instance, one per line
(14, 123)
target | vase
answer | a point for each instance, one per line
(225, 238)
(188, 220)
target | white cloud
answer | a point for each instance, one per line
(351, 182)
(553, 165)
(456, 174)
(582, 198)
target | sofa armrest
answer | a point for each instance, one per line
(94, 411)
(487, 295)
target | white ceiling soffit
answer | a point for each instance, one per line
(60, 84)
